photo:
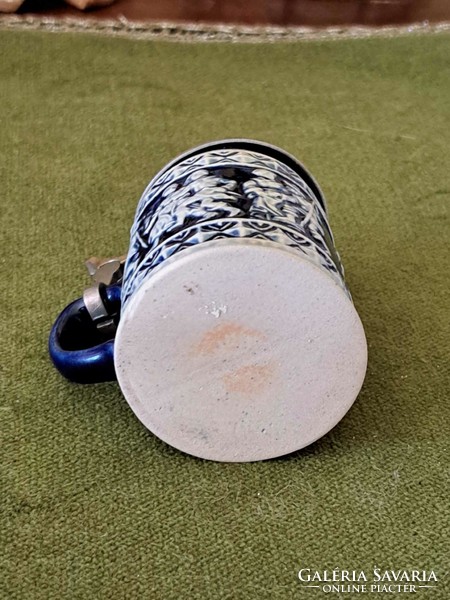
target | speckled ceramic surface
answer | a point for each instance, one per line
(238, 339)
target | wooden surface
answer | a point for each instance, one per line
(277, 12)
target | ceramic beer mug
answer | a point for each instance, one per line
(237, 338)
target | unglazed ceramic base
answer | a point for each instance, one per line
(240, 350)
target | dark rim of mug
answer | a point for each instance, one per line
(255, 145)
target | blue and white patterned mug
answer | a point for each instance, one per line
(238, 339)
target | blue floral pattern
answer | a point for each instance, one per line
(228, 193)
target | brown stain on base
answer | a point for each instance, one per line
(249, 380)
(235, 344)
(226, 334)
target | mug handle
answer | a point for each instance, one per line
(77, 345)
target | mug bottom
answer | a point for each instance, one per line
(240, 350)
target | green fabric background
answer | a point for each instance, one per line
(94, 506)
